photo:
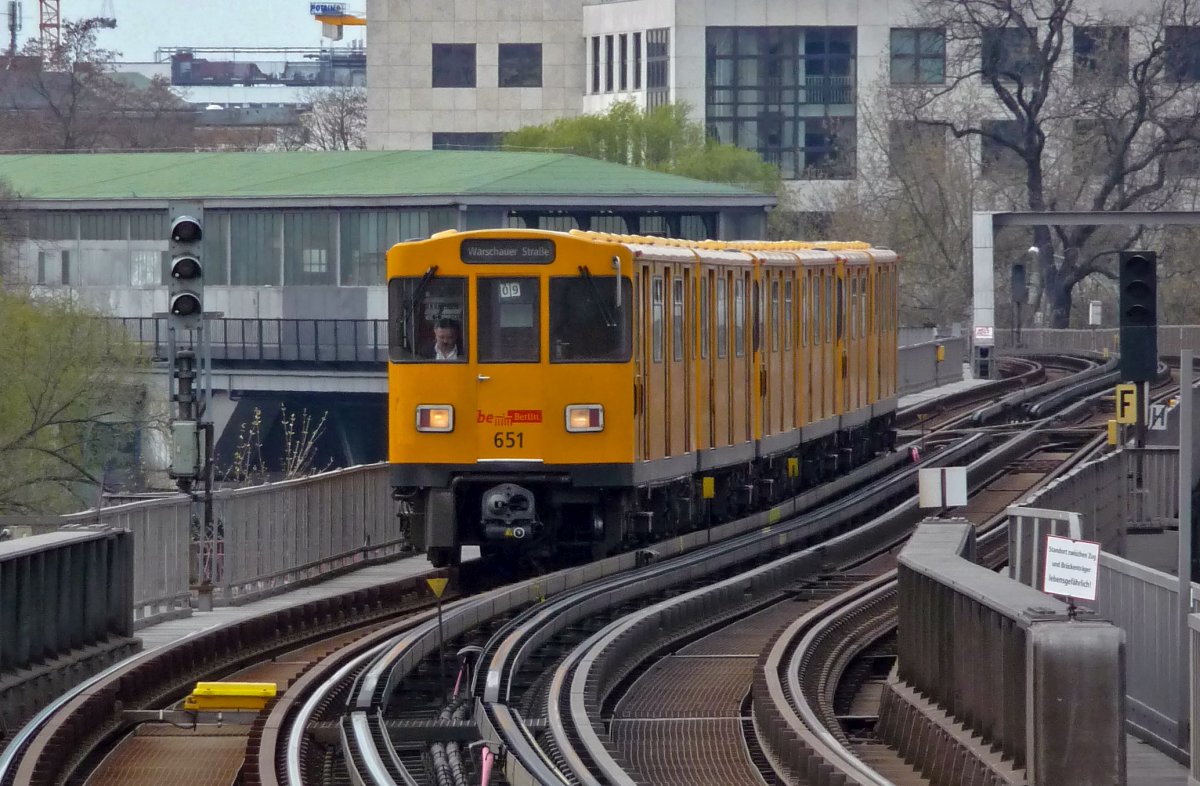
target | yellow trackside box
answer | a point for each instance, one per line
(214, 696)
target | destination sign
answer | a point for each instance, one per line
(500, 251)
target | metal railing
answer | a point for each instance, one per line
(920, 369)
(277, 340)
(1036, 662)
(1171, 339)
(267, 538)
(62, 595)
(1141, 601)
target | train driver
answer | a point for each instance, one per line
(445, 339)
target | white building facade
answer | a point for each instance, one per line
(782, 78)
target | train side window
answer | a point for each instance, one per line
(841, 309)
(788, 319)
(774, 316)
(739, 316)
(510, 324)
(677, 319)
(705, 316)
(427, 319)
(722, 318)
(862, 304)
(853, 307)
(656, 319)
(828, 303)
(586, 325)
(804, 308)
(817, 302)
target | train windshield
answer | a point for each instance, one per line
(586, 325)
(427, 319)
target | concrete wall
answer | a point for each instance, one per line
(403, 108)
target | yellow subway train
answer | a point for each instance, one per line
(573, 394)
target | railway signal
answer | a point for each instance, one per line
(1138, 307)
(186, 281)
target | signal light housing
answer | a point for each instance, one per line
(1138, 309)
(185, 285)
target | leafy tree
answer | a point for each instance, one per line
(662, 139)
(1054, 127)
(65, 404)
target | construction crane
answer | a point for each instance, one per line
(333, 17)
(50, 21)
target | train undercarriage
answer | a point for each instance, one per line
(547, 520)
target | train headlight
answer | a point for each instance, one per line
(585, 417)
(435, 417)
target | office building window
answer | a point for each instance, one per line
(467, 140)
(1010, 54)
(454, 65)
(1183, 53)
(637, 61)
(623, 63)
(608, 64)
(595, 64)
(658, 67)
(1182, 135)
(787, 93)
(918, 55)
(1101, 53)
(998, 147)
(520, 65)
(915, 148)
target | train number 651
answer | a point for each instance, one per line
(508, 439)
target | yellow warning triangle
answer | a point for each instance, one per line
(437, 585)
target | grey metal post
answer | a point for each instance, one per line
(1185, 536)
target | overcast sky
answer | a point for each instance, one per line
(145, 25)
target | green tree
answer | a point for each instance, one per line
(662, 139)
(65, 405)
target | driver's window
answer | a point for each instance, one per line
(427, 319)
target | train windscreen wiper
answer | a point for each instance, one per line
(600, 304)
(422, 285)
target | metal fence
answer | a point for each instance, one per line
(1039, 663)
(1141, 601)
(920, 369)
(277, 340)
(1171, 339)
(267, 537)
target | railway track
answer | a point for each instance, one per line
(339, 719)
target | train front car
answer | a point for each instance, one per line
(510, 369)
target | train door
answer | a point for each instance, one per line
(853, 338)
(873, 338)
(803, 377)
(723, 417)
(641, 282)
(705, 389)
(840, 356)
(779, 362)
(758, 352)
(743, 387)
(820, 335)
(508, 344)
(654, 360)
(678, 387)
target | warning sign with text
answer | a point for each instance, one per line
(1072, 567)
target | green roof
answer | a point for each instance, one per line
(345, 174)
